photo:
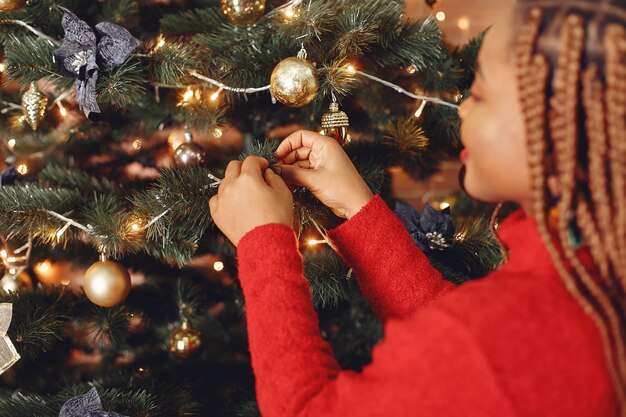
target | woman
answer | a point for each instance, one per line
(544, 335)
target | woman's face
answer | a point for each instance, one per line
(492, 128)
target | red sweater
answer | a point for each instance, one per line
(512, 344)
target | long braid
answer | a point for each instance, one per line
(532, 79)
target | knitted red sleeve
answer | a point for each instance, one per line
(427, 365)
(393, 273)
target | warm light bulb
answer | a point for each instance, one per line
(22, 169)
(218, 266)
(11, 143)
(2, 67)
(65, 282)
(215, 96)
(137, 144)
(217, 133)
(135, 227)
(351, 69)
(12, 271)
(289, 12)
(62, 110)
(4, 253)
(441, 16)
(443, 205)
(43, 268)
(314, 242)
(420, 109)
(188, 95)
(160, 42)
(463, 23)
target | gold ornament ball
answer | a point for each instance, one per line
(294, 82)
(106, 283)
(188, 155)
(243, 12)
(13, 283)
(185, 341)
(11, 5)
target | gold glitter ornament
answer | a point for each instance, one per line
(11, 5)
(294, 81)
(185, 341)
(106, 283)
(243, 12)
(188, 154)
(34, 104)
(335, 123)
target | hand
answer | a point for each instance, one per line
(320, 164)
(250, 195)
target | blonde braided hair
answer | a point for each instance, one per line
(575, 130)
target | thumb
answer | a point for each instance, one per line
(274, 181)
(295, 175)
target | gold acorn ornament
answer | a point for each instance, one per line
(243, 12)
(34, 104)
(294, 81)
(335, 124)
(106, 283)
(188, 154)
(185, 341)
(11, 5)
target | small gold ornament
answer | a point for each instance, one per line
(243, 12)
(294, 81)
(15, 283)
(34, 104)
(11, 5)
(106, 283)
(188, 154)
(335, 123)
(8, 354)
(185, 341)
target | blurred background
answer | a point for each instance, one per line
(460, 21)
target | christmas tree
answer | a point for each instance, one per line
(118, 118)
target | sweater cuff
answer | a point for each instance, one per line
(267, 248)
(361, 224)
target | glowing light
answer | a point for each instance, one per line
(43, 268)
(4, 253)
(12, 271)
(65, 282)
(188, 95)
(350, 68)
(22, 169)
(62, 110)
(443, 205)
(11, 143)
(137, 144)
(217, 133)
(215, 96)
(411, 69)
(289, 12)
(2, 67)
(11, 259)
(463, 23)
(218, 266)
(441, 16)
(160, 43)
(420, 109)
(315, 242)
(135, 227)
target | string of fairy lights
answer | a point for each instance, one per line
(18, 260)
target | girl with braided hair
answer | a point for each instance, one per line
(545, 334)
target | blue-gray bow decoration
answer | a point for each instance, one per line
(433, 230)
(85, 52)
(88, 405)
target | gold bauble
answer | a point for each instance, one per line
(13, 283)
(34, 104)
(243, 12)
(106, 283)
(185, 341)
(335, 123)
(294, 81)
(188, 154)
(11, 5)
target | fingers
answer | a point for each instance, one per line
(233, 169)
(292, 174)
(300, 154)
(274, 181)
(254, 165)
(296, 140)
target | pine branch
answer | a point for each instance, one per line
(122, 12)
(29, 59)
(59, 177)
(328, 276)
(193, 21)
(123, 86)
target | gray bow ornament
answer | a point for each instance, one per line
(85, 52)
(88, 405)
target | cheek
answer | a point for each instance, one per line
(497, 165)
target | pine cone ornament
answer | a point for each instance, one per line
(34, 104)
